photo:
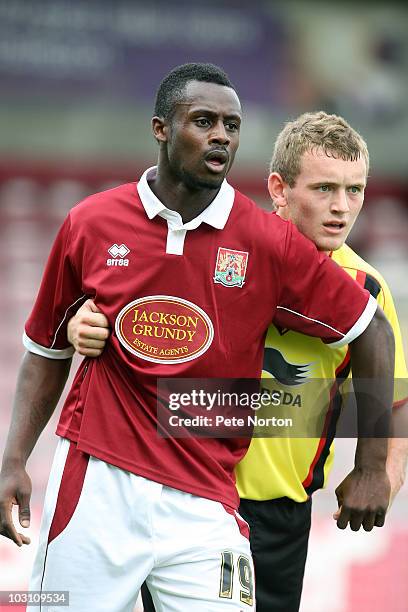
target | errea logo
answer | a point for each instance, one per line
(118, 255)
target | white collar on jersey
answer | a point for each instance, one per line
(216, 214)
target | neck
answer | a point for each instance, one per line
(176, 195)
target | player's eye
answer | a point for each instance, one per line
(232, 126)
(324, 188)
(355, 189)
(202, 122)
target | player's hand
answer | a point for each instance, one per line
(363, 499)
(88, 330)
(15, 490)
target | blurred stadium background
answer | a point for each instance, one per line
(77, 82)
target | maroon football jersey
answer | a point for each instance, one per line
(183, 300)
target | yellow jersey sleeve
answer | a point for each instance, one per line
(401, 373)
(372, 280)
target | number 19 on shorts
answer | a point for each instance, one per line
(245, 576)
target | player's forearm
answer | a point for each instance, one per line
(372, 356)
(39, 387)
(398, 449)
(397, 460)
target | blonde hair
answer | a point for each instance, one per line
(310, 132)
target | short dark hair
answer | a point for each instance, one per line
(171, 89)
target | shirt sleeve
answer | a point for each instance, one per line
(317, 297)
(401, 375)
(379, 288)
(59, 296)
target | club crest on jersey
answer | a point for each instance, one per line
(118, 255)
(230, 267)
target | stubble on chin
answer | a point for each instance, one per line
(196, 183)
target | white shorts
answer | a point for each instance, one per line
(104, 531)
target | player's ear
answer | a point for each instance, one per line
(160, 128)
(277, 190)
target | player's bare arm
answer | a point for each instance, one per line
(365, 493)
(39, 386)
(398, 449)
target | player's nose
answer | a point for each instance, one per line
(339, 202)
(219, 134)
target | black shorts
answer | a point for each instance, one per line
(279, 539)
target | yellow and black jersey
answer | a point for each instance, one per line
(296, 467)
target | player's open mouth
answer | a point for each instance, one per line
(334, 226)
(216, 160)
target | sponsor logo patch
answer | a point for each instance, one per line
(164, 329)
(230, 267)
